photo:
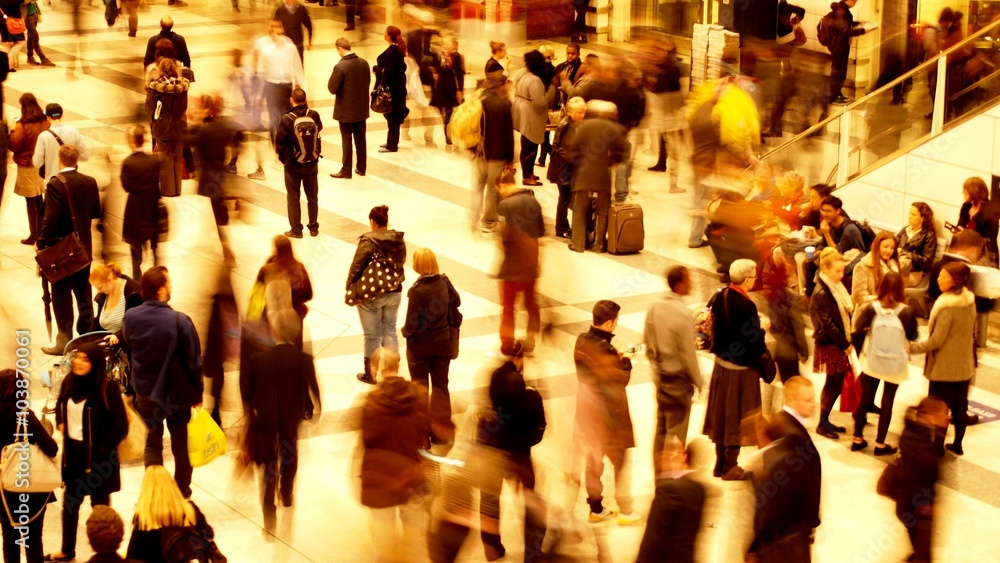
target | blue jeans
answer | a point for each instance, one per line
(378, 320)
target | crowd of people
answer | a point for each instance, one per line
(861, 293)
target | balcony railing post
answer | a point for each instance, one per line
(940, 97)
(844, 149)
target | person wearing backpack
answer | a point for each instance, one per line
(298, 145)
(835, 31)
(494, 151)
(885, 327)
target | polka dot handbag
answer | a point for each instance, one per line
(380, 276)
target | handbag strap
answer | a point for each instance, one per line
(69, 201)
(58, 140)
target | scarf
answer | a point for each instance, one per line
(949, 300)
(82, 387)
(844, 302)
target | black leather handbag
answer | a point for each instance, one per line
(66, 257)
(381, 99)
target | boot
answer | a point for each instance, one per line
(661, 162)
(366, 377)
(32, 205)
(731, 460)
(720, 460)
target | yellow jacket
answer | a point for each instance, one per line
(735, 114)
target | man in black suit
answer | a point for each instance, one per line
(279, 391)
(675, 515)
(70, 187)
(350, 83)
(180, 45)
(788, 491)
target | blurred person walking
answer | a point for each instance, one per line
(131, 7)
(560, 170)
(29, 184)
(12, 428)
(515, 425)
(494, 153)
(665, 106)
(294, 17)
(919, 471)
(448, 70)
(282, 264)
(299, 148)
(739, 350)
(350, 84)
(91, 415)
(950, 362)
(521, 227)
(140, 178)
(279, 391)
(383, 248)
(532, 98)
(209, 136)
(72, 204)
(432, 334)
(46, 155)
(390, 71)
(786, 311)
(166, 371)
(669, 339)
(603, 422)
(395, 427)
(33, 17)
(280, 68)
(166, 105)
(830, 309)
(675, 515)
(843, 29)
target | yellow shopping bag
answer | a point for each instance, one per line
(206, 441)
(256, 307)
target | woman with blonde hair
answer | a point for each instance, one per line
(115, 294)
(831, 308)
(431, 332)
(162, 512)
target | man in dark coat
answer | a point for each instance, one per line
(293, 17)
(495, 152)
(299, 175)
(141, 181)
(920, 453)
(597, 144)
(521, 226)
(603, 422)
(350, 83)
(279, 392)
(842, 31)
(79, 191)
(675, 515)
(788, 490)
(180, 45)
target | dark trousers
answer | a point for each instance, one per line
(31, 23)
(392, 137)
(562, 208)
(838, 74)
(446, 116)
(921, 532)
(279, 465)
(618, 456)
(63, 292)
(673, 402)
(580, 23)
(515, 467)
(78, 487)
(278, 98)
(509, 291)
(787, 368)
(155, 413)
(132, 8)
(955, 394)
(445, 540)
(33, 540)
(36, 210)
(545, 149)
(529, 151)
(301, 48)
(171, 154)
(136, 250)
(831, 390)
(298, 179)
(431, 371)
(581, 202)
(869, 385)
(354, 130)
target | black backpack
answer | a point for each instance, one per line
(824, 29)
(184, 544)
(307, 146)
(867, 234)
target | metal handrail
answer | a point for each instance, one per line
(923, 67)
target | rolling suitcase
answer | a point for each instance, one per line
(626, 233)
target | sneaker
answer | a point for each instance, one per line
(32, 61)
(598, 517)
(230, 169)
(258, 175)
(630, 519)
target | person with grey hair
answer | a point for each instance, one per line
(560, 170)
(738, 346)
(279, 391)
(350, 83)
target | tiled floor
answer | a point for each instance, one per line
(428, 193)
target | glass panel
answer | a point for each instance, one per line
(973, 78)
(813, 155)
(885, 123)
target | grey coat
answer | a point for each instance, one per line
(669, 338)
(531, 105)
(949, 346)
(594, 147)
(350, 83)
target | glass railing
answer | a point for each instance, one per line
(934, 97)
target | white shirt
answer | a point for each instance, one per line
(278, 61)
(74, 419)
(47, 148)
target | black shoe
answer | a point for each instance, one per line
(384, 149)
(658, 168)
(293, 234)
(342, 174)
(50, 557)
(564, 234)
(30, 241)
(826, 432)
(955, 449)
(366, 378)
(858, 446)
(314, 232)
(349, 28)
(541, 163)
(358, 172)
(885, 450)
(841, 100)
(286, 500)
(32, 61)
(839, 429)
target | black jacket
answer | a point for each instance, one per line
(180, 48)
(57, 222)
(450, 80)
(828, 324)
(105, 425)
(132, 299)
(210, 140)
(147, 545)
(350, 83)
(986, 223)
(293, 22)
(920, 453)
(592, 166)
(431, 311)
(278, 388)
(141, 180)
(560, 171)
(285, 141)
(172, 97)
(736, 334)
(843, 29)
(497, 127)
(389, 244)
(520, 415)
(674, 521)
(390, 69)
(922, 248)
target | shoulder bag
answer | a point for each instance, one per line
(68, 256)
(41, 169)
(381, 98)
(378, 277)
(43, 474)
(15, 26)
(454, 318)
